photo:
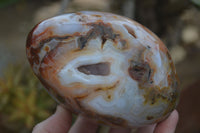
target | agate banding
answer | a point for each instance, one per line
(104, 66)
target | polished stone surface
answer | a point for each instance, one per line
(104, 66)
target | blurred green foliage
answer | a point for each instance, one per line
(23, 100)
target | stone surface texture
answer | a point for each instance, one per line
(104, 66)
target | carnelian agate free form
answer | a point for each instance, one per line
(104, 66)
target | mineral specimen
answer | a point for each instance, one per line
(104, 66)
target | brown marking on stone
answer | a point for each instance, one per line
(139, 71)
(124, 44)
(82, 42)
(45, 37)
(49, 66)
(103, 29)
(77, 105)
(81, 97)
(169, 79)
(173, 82)
(98, 89)
(109, 96)
(120, 44)
(107, 91)
(168, 55)
(95, 15)
(47, 60)
(34, 51)
(78, 13)
(34, 56)
(99, 28)
(130, 30)
(31, 39)
(147, 30)
(103, 41)
(173, 99)
(54, 93)
(46, 48)
(155, 95)
(115, 17)
(107, 88)
(52, 64)
(60, 38)
(49, 57)
(30, 51)
(80, 20)
(46, 33)
(75, 34)
(149, 117)
(148, 47)
(162, 46)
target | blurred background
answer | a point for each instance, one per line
(23, 100)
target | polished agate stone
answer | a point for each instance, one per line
(104, 66)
